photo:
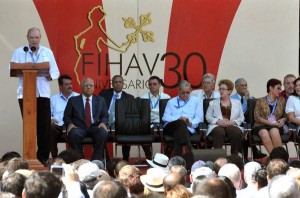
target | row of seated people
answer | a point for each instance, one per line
(219, 176)
(181, 117)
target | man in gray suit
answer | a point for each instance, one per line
(86, 115)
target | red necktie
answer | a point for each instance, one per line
(87, 109)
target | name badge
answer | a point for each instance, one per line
(271, 118)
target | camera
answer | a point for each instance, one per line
(57, 170)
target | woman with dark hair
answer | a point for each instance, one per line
(224, 116)
(292, 108)
(269, 116)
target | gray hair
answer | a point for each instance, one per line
(288, 76)
(283, 186)
(238, 81)
(209, 75)
(184, 83)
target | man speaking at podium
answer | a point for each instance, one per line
(37, 53)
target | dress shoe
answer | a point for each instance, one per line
(258, 154)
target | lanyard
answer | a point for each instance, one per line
(275, 104)
(155, 104)
(185, 102)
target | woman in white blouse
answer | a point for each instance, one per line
(292, 108)
(224, 116)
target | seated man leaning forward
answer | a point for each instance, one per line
(182, 116)
(86, 116)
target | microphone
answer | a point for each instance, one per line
(33, 49)
(25, 49)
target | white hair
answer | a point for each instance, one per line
(250, 170)
(282, 186)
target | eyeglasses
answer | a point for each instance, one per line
(153, 84)
(223, 89)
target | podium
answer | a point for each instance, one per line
(29, 72)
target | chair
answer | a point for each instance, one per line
(167, 139)
(132, 123)
(295, 137)
(253, 138)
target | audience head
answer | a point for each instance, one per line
(154, 84)
(57, 162)
(42, 184)
(226, 85)
(9, 155)
(205, 171)
(184, 89)
(69, 156)
(65, 84)
(288, 83)
(159, 161)
(6, 195)
(296, 87)
(250, 171)
(274, 84)
(117, 83)
(129, 176)
(237, 160)
(179, 169)
(219, 163)
(277, 167)
(240, 86)
(89, 174)
(171, 180)
(213, 188)
(119, 166)
(111, 165)
(178, 191)
(282, 186)
(294, 173)
(279, 153)
(176, 160)
(78, 163)
(87, 87)
(109, 189)
(233, 173)
(14, 183)
(208, 82)
(99, 163)
(229, 183)
(261, 178)
(16, 164)
(198, 164)
(153, 180)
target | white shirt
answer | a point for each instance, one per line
(293, 105)
(58, 105)
(201, 94)
(154, 104)
(192, 109)
(43, 55)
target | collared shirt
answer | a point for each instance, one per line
(155, 104)
(293, 105)
(112, 100)
(91, 105)
(44, 55)
(191, 109)
(58, 105)
(201, 94)
(239, 97)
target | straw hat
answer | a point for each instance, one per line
(159, 161)
(153, 180)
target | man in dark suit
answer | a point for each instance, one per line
(110, 96)
(86, 115)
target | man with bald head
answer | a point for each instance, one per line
(171, 180)
(36, 53)
(86, 115)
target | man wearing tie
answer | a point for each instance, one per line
(86, 115)
(110, 96)
(242, 94)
